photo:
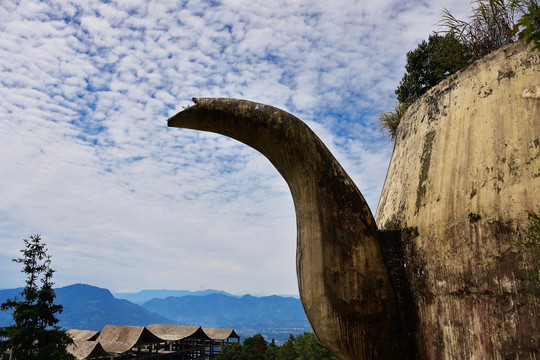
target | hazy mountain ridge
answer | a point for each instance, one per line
(218, 310)
(91, 308)
(5, 316)
(146, 295)
(272, 316)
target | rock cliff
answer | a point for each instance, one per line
(464, 174)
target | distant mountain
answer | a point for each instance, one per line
(5, 316)
(268, 315)
(146, 295)
(91, 308)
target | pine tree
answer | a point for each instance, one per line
(35, 334)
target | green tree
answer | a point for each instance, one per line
(288, 350)
(528, 26)
(302, 347)
(272, 351)
(309, 348)
(426, 66)
(255, 347)
(35, 334)
(429, 63)
(233, 351)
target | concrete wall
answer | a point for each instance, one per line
(464, 173)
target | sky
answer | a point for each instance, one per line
(126, 203)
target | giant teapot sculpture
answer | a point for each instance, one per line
(343, 282)
(444, 279)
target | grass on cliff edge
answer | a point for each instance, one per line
(492, 24)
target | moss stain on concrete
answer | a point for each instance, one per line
(464, 174)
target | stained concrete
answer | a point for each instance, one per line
(343, 282)
(464, 174)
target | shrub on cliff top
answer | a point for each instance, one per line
(495, 23)
(492, 24)
(389, 120)
(426, 66)
(429, 63)
(528, 26)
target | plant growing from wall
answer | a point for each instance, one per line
(532, 243)
(528, 26)
(429, 63)
(492, 24)
(389, 121)
(426, 66)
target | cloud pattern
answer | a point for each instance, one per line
(126, 203)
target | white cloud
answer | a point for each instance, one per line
(125, 202)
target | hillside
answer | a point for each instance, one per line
(227, 311)
(272, 316)
(146, 295)
(91, 308)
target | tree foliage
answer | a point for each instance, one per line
(528, 26)
(492, 24)
(255, 347)
(489, 28)
(233, 351)
(426, 66)
(35, 334)
(301, 347)
(429, 63)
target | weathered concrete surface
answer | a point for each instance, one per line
(343, 282)
(464, 173)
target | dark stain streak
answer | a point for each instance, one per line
(392, 251)
(505, 75)
(425, 161)
(474, 217)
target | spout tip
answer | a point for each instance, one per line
(185, 109)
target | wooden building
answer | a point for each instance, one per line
(128, 342)
(185, 341)
(218, 339)
(156, 341)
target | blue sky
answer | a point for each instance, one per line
(126, 203)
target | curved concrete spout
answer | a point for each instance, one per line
(343, 281)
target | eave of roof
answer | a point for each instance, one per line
(119, 339)
(169, 332)
(220, 334)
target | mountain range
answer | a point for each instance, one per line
(91, 308)
(146, 295)
(247, 314)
